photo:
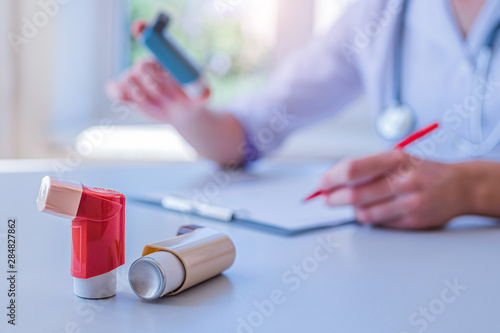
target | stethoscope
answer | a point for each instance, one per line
(398, 119)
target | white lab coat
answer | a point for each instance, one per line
(356, 57)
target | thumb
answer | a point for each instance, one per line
(138, 27)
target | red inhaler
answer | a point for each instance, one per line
(97, 228)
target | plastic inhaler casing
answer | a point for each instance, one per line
(174, 59)
(98, 232)
(176, 264)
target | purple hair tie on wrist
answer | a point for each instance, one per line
(250, 152)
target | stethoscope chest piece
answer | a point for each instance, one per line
(395, 122)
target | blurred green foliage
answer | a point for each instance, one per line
(210, 40)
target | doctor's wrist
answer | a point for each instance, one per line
(480, 187)
(191, 116)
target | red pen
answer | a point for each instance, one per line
(412, 138)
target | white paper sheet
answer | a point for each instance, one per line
(274, 195)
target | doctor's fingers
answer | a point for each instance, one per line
(126, 88)
(138, 93)
(412, 222)
(145, 100)
(360, 195)
(157, 79)
(388, 212)
(355, 171)
(116, 90)
(150, 84)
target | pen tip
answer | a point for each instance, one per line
(312, 196)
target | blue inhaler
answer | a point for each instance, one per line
(173, 58)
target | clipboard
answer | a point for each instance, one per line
(267, 197)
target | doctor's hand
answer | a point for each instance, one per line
(397, 190)
(153, 91)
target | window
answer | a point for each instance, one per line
(230, 39)
(6, 81)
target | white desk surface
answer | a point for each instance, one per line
(374, 281)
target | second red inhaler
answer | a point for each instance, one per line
(97, 231)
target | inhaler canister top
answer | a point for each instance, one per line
(156, 275)
(59, 197)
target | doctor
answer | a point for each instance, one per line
(417, 61)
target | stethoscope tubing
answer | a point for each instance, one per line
(477, 145)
